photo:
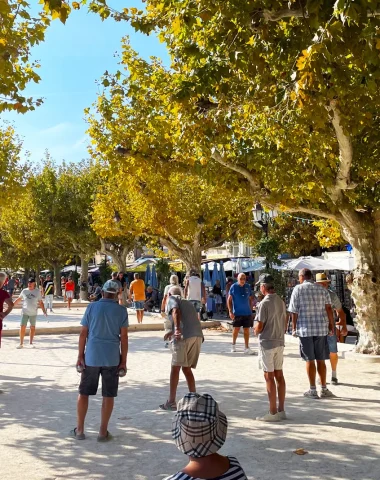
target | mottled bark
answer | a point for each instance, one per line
(84, 278)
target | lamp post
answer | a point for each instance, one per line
(262, 219)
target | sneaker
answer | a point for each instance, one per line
(31, 345)
(268, 417)
(311, 394)
(233, 348)
(282, 415)
(325, 393)
(248, 351)
(20, 346)
(334, 381)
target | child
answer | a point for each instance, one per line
(199, 430)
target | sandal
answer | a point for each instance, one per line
(78, 436)
(172, 407)
(105, 438)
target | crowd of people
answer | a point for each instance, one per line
(199, 428)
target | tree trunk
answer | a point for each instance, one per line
(83, 295)
(364, 282)
(192, 258)
(57, 278)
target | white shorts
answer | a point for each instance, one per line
(218, 299)
(70, 294)
(272, 359)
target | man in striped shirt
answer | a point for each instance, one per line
(312, 320)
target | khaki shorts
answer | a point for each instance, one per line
(192, 351)
(272, 359)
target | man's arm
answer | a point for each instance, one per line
(176, 315)
(10, 305)
(294, 322)
(251, 302)
(330, 315)
(130, 292)
(42, 306)
(123, 347)
(17, 301)
(82, 344)
(229, 304)
(203, 293)
(163, 304)
(186, 288)
(342, 321)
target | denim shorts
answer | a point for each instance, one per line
(138, 305)
(197, 305)
(89, 381)
(333, 343)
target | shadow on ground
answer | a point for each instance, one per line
(38, 411)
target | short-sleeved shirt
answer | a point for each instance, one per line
(272, 313)
(30, 299)
(235, 472)
(49, 287)
(104, 319)
(70, 286)
(335, 302)
(309, 301)
(240, 299)
(11, 284)
(137, 288)
(168, 287)
(190, 324)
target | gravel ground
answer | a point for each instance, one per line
(341, 435)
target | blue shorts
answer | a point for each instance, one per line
(138, 305)
(314, 348)
(197, 305)
(333, 343)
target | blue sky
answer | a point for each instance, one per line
(72, 58)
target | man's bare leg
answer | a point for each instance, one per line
(311, 372)
(82, 407)
(235, 333)
(107, 408)
(246, 337)
(174, 379)
(22, 334)
(32, 332)
(334, 363)
(281, 389)
(188, 372)
(272, 391)
(321, 367)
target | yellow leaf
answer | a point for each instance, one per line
(251, 41)
(293, 96)
(76, 5)
(134, 11)
(176, 26)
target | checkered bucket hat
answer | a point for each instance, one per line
(199, 428)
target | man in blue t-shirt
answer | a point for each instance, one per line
(240, 305)
(103, 347)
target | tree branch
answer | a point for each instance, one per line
(275, 16)
(215, 155)
(346, 153)
(313, 211)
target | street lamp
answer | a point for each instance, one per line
(261, 218)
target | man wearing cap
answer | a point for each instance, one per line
(332, 340)
(103, 347)
(31, 299)
(240, 305)
(270, 327)
(200, 430)
(188, 338)
(312, 321)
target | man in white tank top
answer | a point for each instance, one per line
(195, 291)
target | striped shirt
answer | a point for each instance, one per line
(309, 301)
(235, 472)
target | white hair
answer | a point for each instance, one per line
(174, 280)
(3, 276)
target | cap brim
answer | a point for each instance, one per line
(323, 281)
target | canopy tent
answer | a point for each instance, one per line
(71, 268)
(215, 274)
(153, 277)
(222, 276)
(206, 276)
(140, 265)
(343, 260)
(312, 263)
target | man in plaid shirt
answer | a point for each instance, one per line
(312, 320)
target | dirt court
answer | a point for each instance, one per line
(341, 435)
